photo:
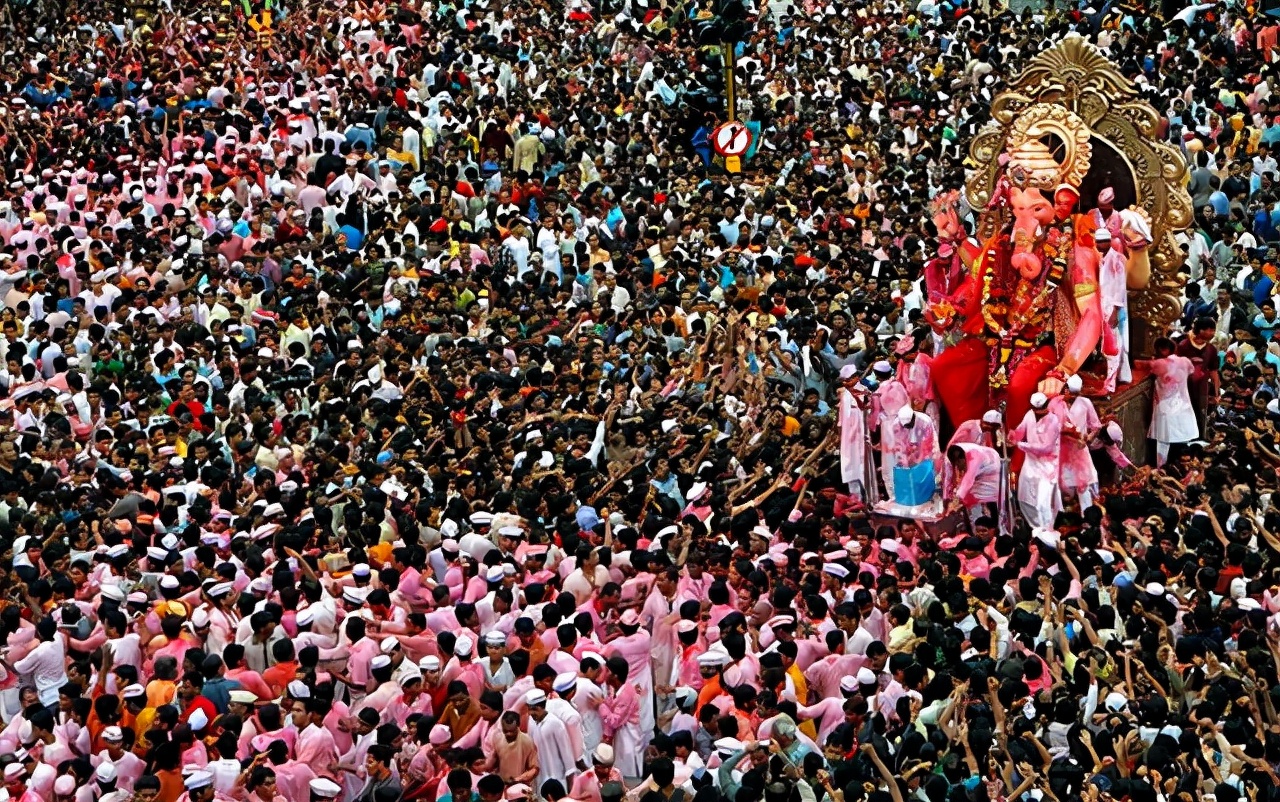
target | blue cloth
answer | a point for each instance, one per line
(587, 518)
(1262, 290)
(355, 237)
(218, 691)
(1221, 203)
(1266, 327)
(914, 485)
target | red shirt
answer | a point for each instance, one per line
(201, 703)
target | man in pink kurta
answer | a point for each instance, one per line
(620, 714)
(660, 614)
(317, 749)
(912, 439)
(636, 649)
(1113, 287)
(1039, 436)
(853, 434)
(979, 476)
(1079, 424)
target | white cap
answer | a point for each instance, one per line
(113, 734)
(1155, 588)
(389, 644)
(360, 569)
(835, 569)
(1115, 702)
(462, 647)
(495, 638)
(198, 779)
(1075, 383)
(866, 676)
(564, 682)
(354, 595)
(906, 414)
(494, 574)
(200, 618)
(106, 772)
(849, 684)
(1039, 400)
(64, 785)
(713, 659)
(1047, 536)
(429, 663)
(603, 754)
(198, 720)
(535, 697)
(325, 788)
(299, 690)
(379, 661)
(729, 746)
(243, 697)
(13, 771)
(992, 416)
(169, 582)
(1115, 432)
(304, 617)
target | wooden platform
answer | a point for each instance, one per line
(935, 526)
(1130, 405)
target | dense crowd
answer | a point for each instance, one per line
(402, 402)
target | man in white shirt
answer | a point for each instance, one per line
(46, 664)
(350, 182)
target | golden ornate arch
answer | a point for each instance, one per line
(1076, 76)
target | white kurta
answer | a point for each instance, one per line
(587, 700)
(555, 757)
(572, 720)
(1174, 419)
(1077, 469)
(1114, 290)
(853, 441)
(1041, 441)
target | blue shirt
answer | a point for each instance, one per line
(1220, 202)
(1266, 327)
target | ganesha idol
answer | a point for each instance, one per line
(1022, 308)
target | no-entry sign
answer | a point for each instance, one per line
(731, 139)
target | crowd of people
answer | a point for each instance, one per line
(401, 401)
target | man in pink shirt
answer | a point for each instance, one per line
(315, 746)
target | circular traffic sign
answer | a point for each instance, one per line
(731, 139)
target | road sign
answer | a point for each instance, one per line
(731, 139)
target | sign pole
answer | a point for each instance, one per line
(729, 56)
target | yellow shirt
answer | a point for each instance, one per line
(141, 725)
(380, 552)
(802, 696)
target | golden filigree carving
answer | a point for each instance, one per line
(1075, 77)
